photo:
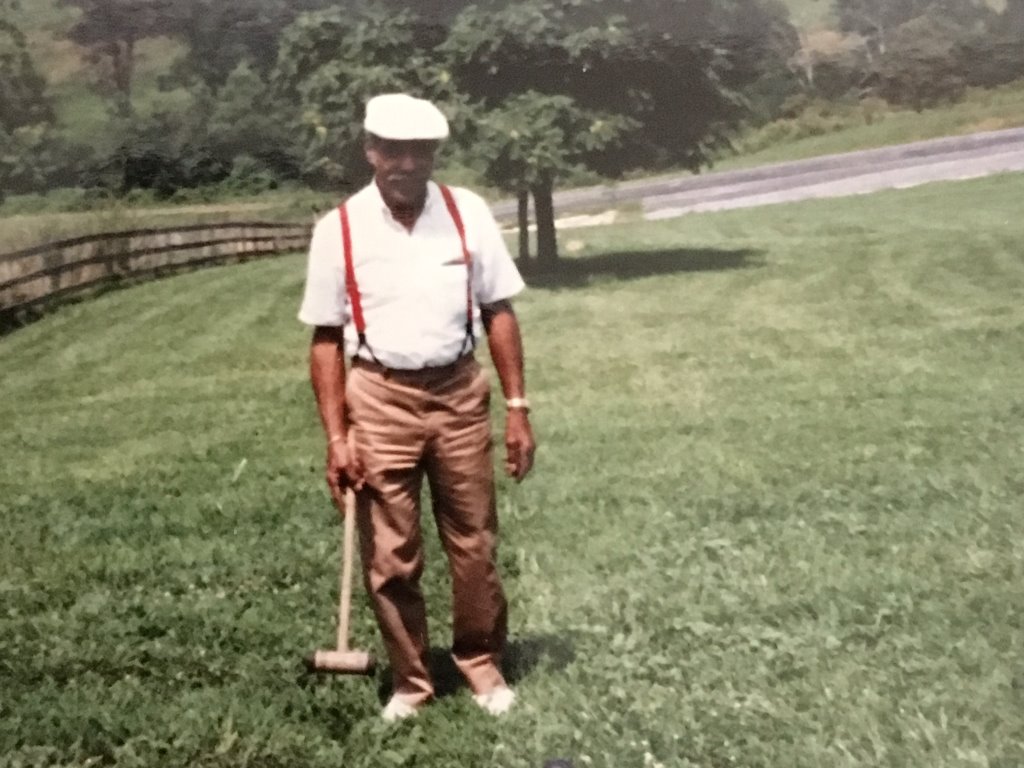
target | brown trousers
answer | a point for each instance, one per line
(434, 422)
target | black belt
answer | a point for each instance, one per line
(426, 371)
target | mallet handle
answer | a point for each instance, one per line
(345, 602)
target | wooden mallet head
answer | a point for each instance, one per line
(341, 662)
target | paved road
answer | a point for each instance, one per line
(905, 165)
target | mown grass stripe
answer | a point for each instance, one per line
(774, 520)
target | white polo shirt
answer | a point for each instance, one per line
(412, 284)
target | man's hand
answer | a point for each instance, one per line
(519, 444)
(507, 353)
(344, 470)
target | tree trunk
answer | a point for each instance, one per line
(122, 61)
(544, 213)
(524, 229)
(804, 61)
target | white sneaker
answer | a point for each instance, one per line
(398, 709)
(497, 701)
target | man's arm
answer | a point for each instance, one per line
(506, 345)
(327, 374)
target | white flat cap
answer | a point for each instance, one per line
(402, 117)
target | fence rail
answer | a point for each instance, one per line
(46, 271)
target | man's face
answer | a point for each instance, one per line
(401, 168)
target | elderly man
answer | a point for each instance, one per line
(401, 277)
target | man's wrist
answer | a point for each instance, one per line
(332, 439)
(518, 404)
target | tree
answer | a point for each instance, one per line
(26, 117)
(996, 54)
(917, 51)
(876, 20)
(1012, 18)
(219, 36)
(331, 62)
(530, 142)
(22, 87)
(537, 91)
(169, 150)
(830, 63)
(236, 129)
(759, 45)
(430, 12)
(610, 85)
(921, 66)
(110, 30)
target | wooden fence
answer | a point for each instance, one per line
(33, 275)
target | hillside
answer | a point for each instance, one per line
(183, 148)
(79, 97)
(815, 14)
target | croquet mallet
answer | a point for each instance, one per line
(344, 660)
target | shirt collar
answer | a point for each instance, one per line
(428, 204)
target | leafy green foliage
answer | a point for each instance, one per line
(597, 85)
(681, 73)
(533, 141)
(995, 56)
(331, 62)
(670, 87)
(831, 66)
(921, 66)
(220, 36)
(166, 150)
(532, 138)
(875, 20)
(35, 157)
(246, 121)
(111, 29)
(760, 43)
(774, 520)
(918, 51)
(22, 87)
(26, 142)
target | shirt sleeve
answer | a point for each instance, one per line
(323, 302)
(495, 276)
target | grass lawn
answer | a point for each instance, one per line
(775, 519)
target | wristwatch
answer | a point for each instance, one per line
(518, 402)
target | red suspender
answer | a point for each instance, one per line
(453, 209)
(352, 288)
(350, 276)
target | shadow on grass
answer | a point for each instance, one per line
(541, 654)
(522, 657)
(629, 265)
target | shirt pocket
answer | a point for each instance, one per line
(445, 291)
(450, 272)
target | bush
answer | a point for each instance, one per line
(249, 175)
(804, 117)
(34, 158)
(993, 59)
(923, 64)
